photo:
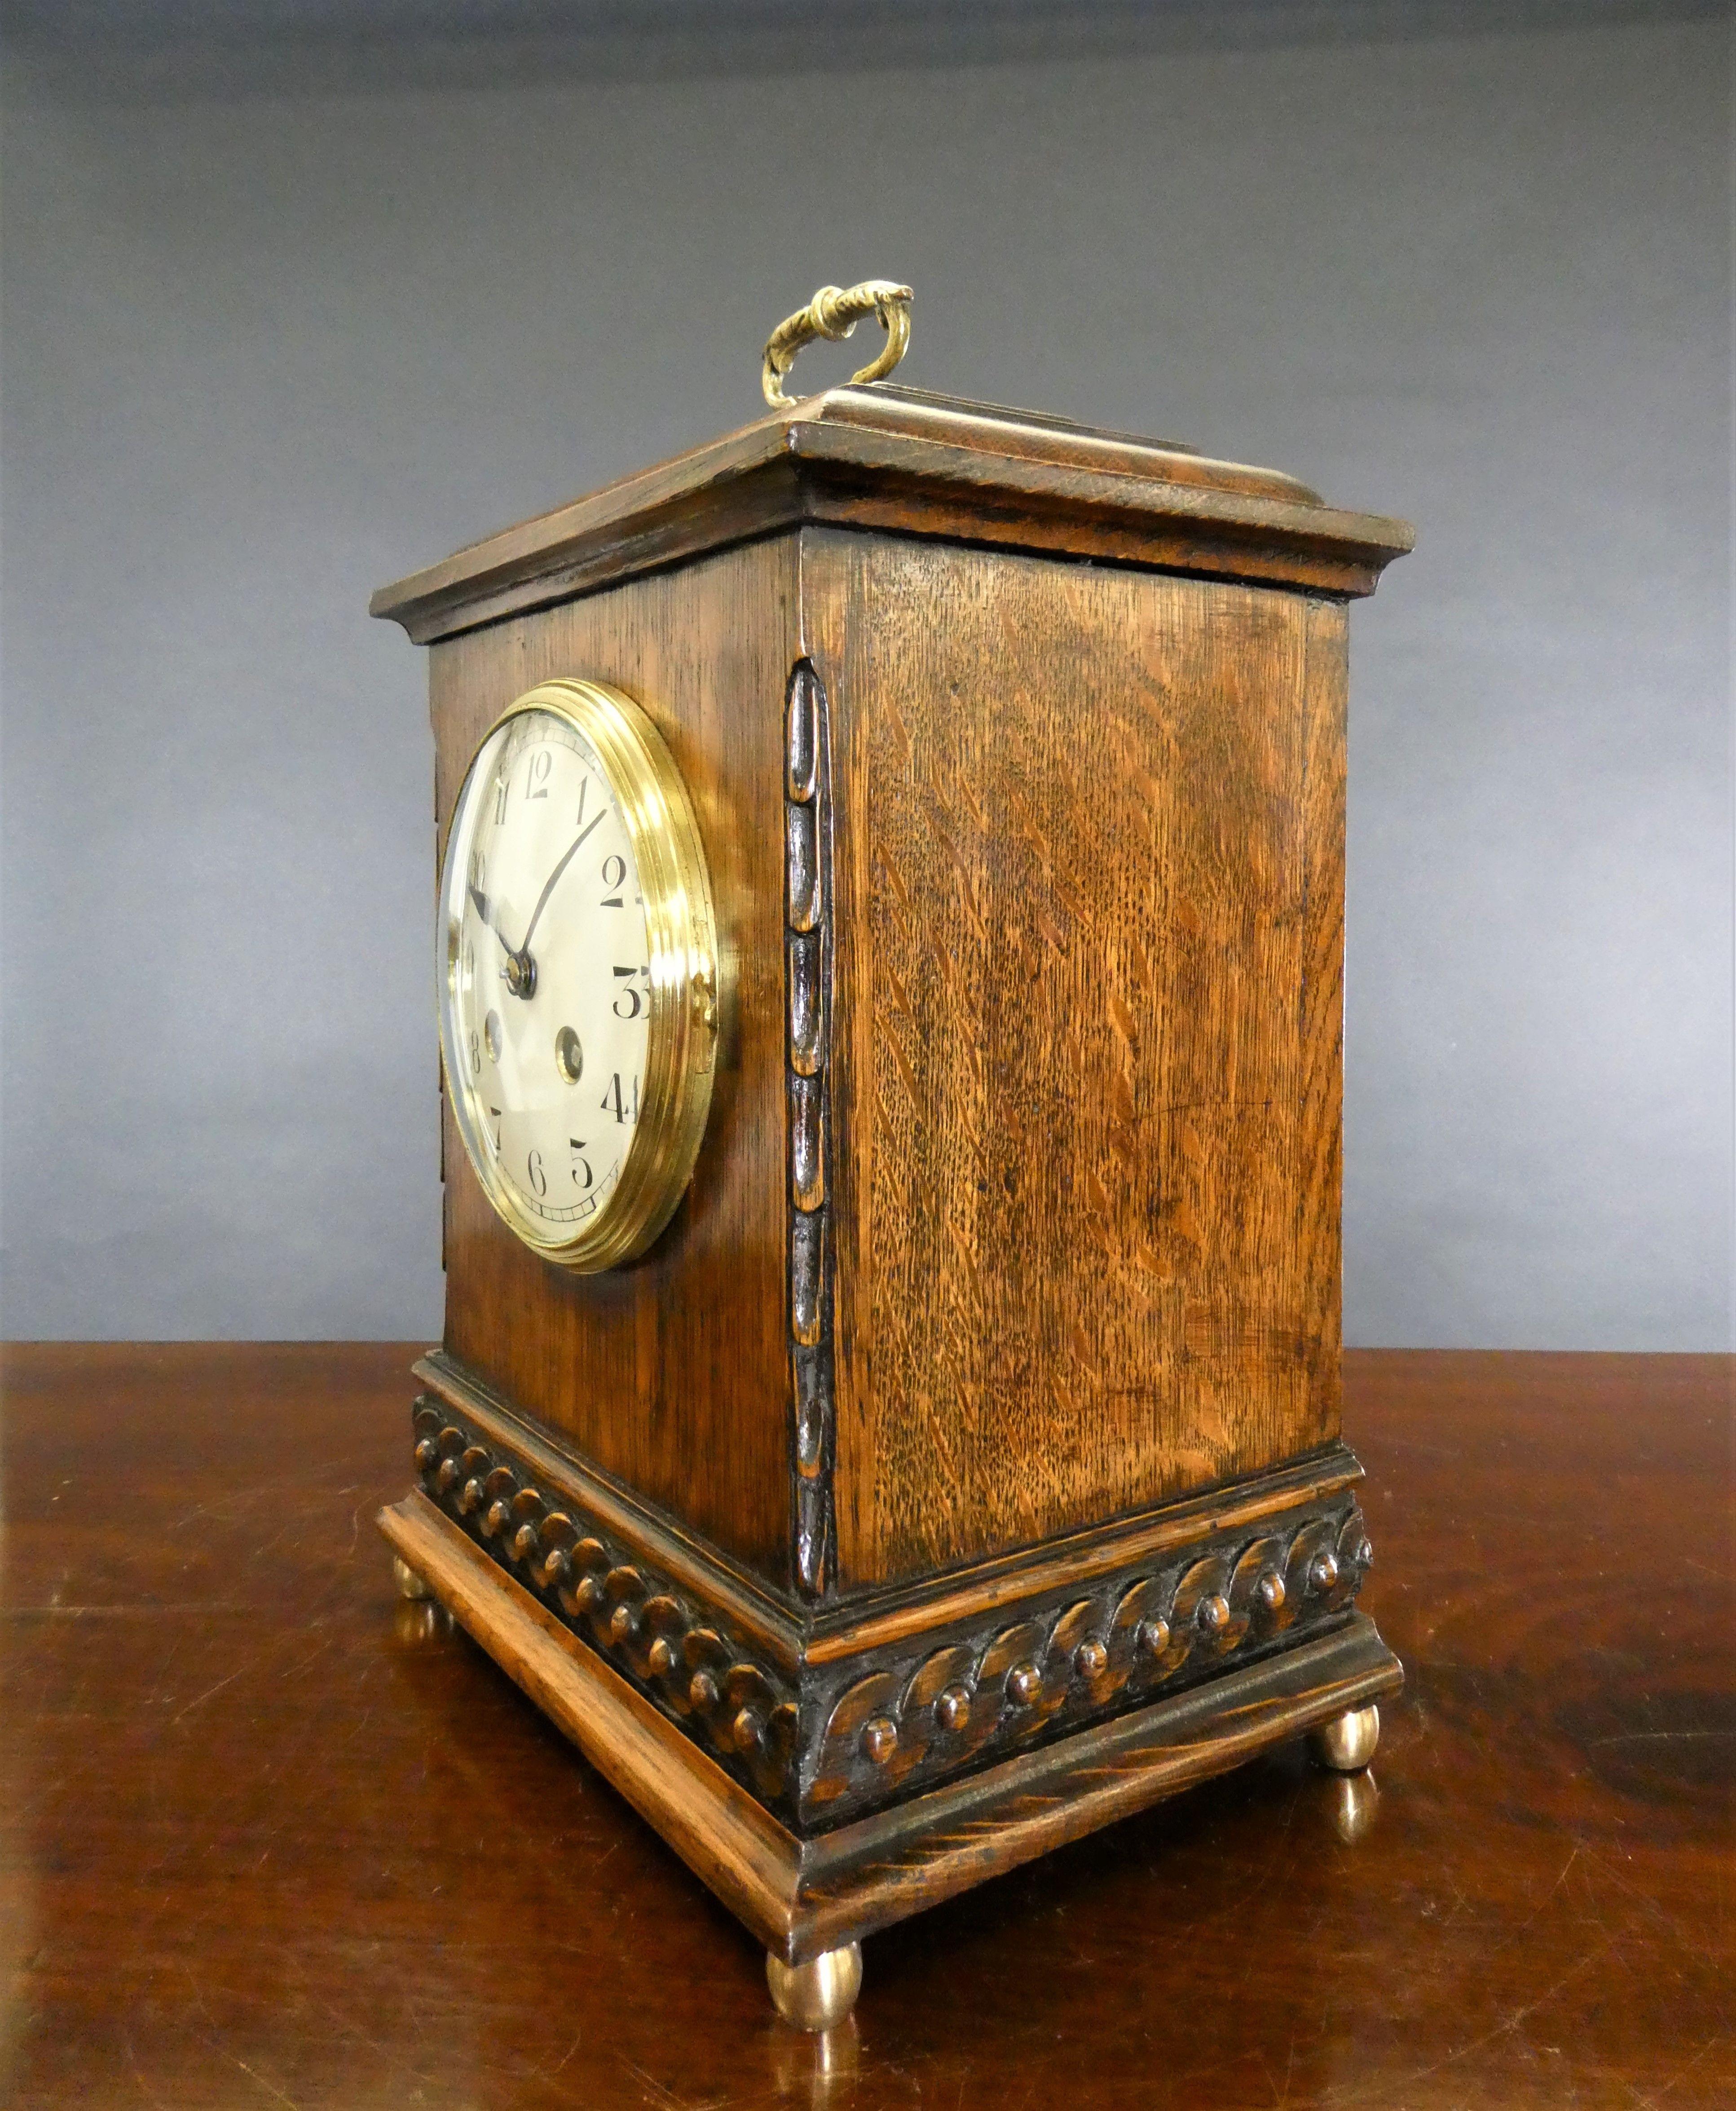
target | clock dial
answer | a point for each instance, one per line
(553, 992)
(579, 993)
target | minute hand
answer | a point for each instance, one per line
(548, 885)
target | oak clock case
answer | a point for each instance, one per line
(578, 974)
(874, 1509)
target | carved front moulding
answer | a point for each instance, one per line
(807, 954)
(819, 1735)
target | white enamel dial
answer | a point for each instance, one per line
(551, 969)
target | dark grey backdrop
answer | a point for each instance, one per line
(287, 316)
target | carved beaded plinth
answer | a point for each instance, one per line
(680, 1654)
(808, 1894)
(819, 1737)
(919, 1720)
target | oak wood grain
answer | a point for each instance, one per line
(265, 1833)
(1320, 1124)
(1087, 1049)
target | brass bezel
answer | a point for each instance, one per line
(681, 934)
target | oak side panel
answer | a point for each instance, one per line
(1083, 1259)
(671, 1373)
(1320, 1128)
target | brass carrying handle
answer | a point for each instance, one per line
(834, 312)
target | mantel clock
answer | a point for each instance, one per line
(889, 942)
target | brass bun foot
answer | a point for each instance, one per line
(1347, 1743)
(410, 1584)
(820, 1994)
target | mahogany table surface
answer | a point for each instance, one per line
(272, 1837)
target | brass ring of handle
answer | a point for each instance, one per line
(834, 312)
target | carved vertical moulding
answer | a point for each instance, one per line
(807, 954)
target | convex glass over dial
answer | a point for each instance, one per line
(578, 974)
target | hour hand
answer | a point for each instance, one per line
(484, 910)
(519, 972)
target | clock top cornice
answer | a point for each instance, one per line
(899, 461)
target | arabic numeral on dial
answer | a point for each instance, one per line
(614, 875)
(536, 777)
(631, 997)
(478, 869)
(500, 789)
(618, 1103)
(476, 1053)
(538, 1177)
(581, 1164)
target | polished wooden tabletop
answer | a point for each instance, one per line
(272, 1836)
